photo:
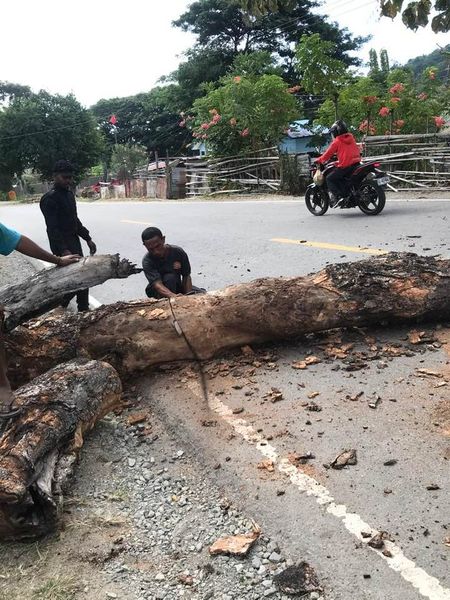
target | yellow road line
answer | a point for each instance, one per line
(135, 222)
(327, 246)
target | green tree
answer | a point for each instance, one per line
(151, 119)
(359, 102)
(400, 104)
(439, 58)
(319, 71)
(417, 14)
(384, 62)
(258, 8)
(255, 64)
(38, 129)
(126, 158)
(244, 113)
(10, 91)
(374, 67)
(202, 65)
(222, 25)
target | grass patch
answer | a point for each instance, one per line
(57, 588)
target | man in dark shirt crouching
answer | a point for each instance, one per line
(166, 267)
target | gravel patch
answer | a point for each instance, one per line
(175, 516)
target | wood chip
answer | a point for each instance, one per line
(429, 373)
(275, 395)
(432, 487)
(415, 337)
(312, 395)
(236, 545)
(247, 351)
(267, 465)
(304, 364)
(347, 457)
(300, 365)
(377, 541)
(137, 418)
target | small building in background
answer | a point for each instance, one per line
(302, 138)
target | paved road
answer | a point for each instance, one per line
(229, 242)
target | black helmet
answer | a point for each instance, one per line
(338, 128)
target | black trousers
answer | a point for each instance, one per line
(172, 283)
(336, 181)
(74, 245)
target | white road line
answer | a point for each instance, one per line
(135, 222)
(427, 586)
(295, 200)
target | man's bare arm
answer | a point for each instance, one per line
(187, 284)
(30, 248)
(159, 287)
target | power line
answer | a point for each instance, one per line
(19, 135)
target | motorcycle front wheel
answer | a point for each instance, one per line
(316, 201)
(371, 198)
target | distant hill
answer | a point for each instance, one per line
(436, 59)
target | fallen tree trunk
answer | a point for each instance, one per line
(47, 288)
(38, 450)
(135, 335)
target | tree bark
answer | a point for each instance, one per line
(38, 449)
(47, 288)
(136, 335)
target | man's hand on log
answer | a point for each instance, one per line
(92, 247)
(68, 259)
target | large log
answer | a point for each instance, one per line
(136, 335)
(38, 450)
(47, 288)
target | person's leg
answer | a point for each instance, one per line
(151, 293)
(334, 182)
(197, 290)
(83, 300)
(172, 282)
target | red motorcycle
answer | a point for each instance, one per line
(365, 190)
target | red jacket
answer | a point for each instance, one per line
(346, 150)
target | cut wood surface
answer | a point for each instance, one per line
(47, 288)
(38, 449)
(136, 335)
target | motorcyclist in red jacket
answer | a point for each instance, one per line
(346, 149)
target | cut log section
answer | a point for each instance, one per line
(136, 335)
(47, 288)
(38, 449)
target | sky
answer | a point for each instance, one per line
(107, 48)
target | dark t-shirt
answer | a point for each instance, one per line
(176, 262)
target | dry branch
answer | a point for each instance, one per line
(47, 288)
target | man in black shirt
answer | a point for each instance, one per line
(166, 267)
(64, 228)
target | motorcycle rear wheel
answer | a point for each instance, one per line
(371, 198)
(316, 201)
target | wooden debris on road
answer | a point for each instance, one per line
(304, 364)
(235, 545)
(298, 580)
(347, 457)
